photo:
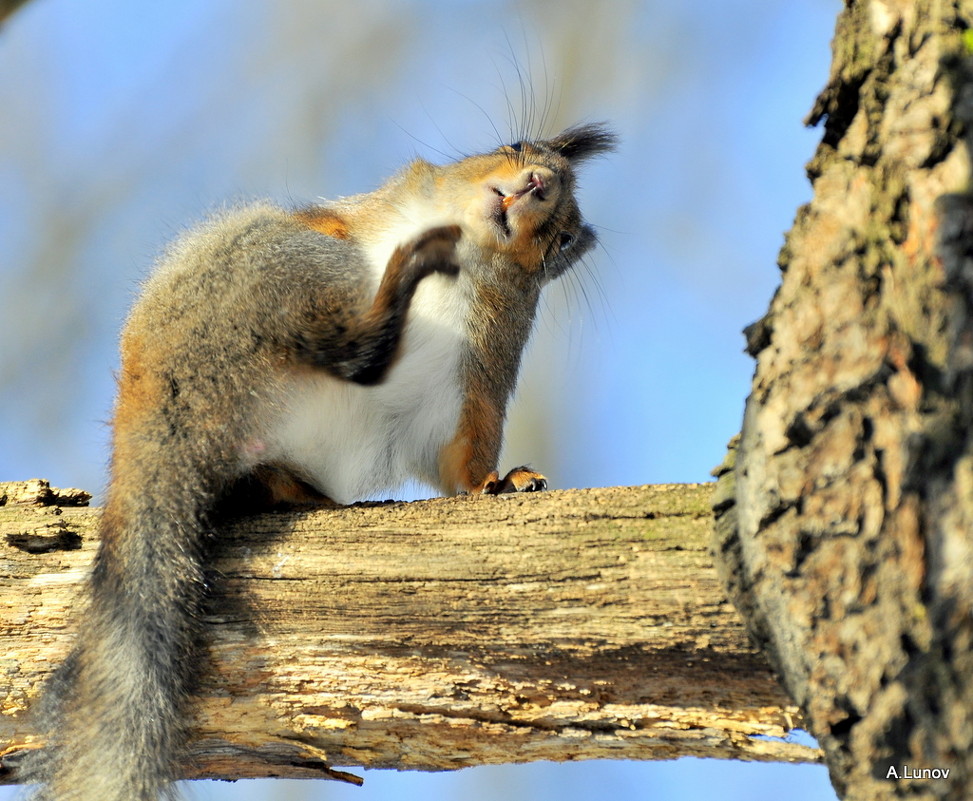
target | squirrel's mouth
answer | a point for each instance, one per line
(534, 188)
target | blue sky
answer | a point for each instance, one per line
(123, 123)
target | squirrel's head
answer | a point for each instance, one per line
(523, 203)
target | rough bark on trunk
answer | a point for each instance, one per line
(433, 635)
(849, 549)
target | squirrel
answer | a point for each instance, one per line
(297, 357)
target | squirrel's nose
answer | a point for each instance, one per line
(540, 182)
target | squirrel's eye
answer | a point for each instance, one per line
(566, 240)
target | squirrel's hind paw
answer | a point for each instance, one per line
(520, 479)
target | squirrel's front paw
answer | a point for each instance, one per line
(520, 479)
(434, 251)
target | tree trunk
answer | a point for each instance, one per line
(433, 635)
(850, 550)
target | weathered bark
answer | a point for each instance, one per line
(436, 635)
(850, 548)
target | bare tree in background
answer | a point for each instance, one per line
(7, 7)
(850, 548)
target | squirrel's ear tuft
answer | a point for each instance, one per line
(584, 141)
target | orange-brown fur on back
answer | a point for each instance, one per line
(324, 221)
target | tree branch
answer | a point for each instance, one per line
(435, 635)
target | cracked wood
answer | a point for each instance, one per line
(437, 635)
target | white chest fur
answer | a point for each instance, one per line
(353, 441)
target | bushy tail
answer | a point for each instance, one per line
(115, 712)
